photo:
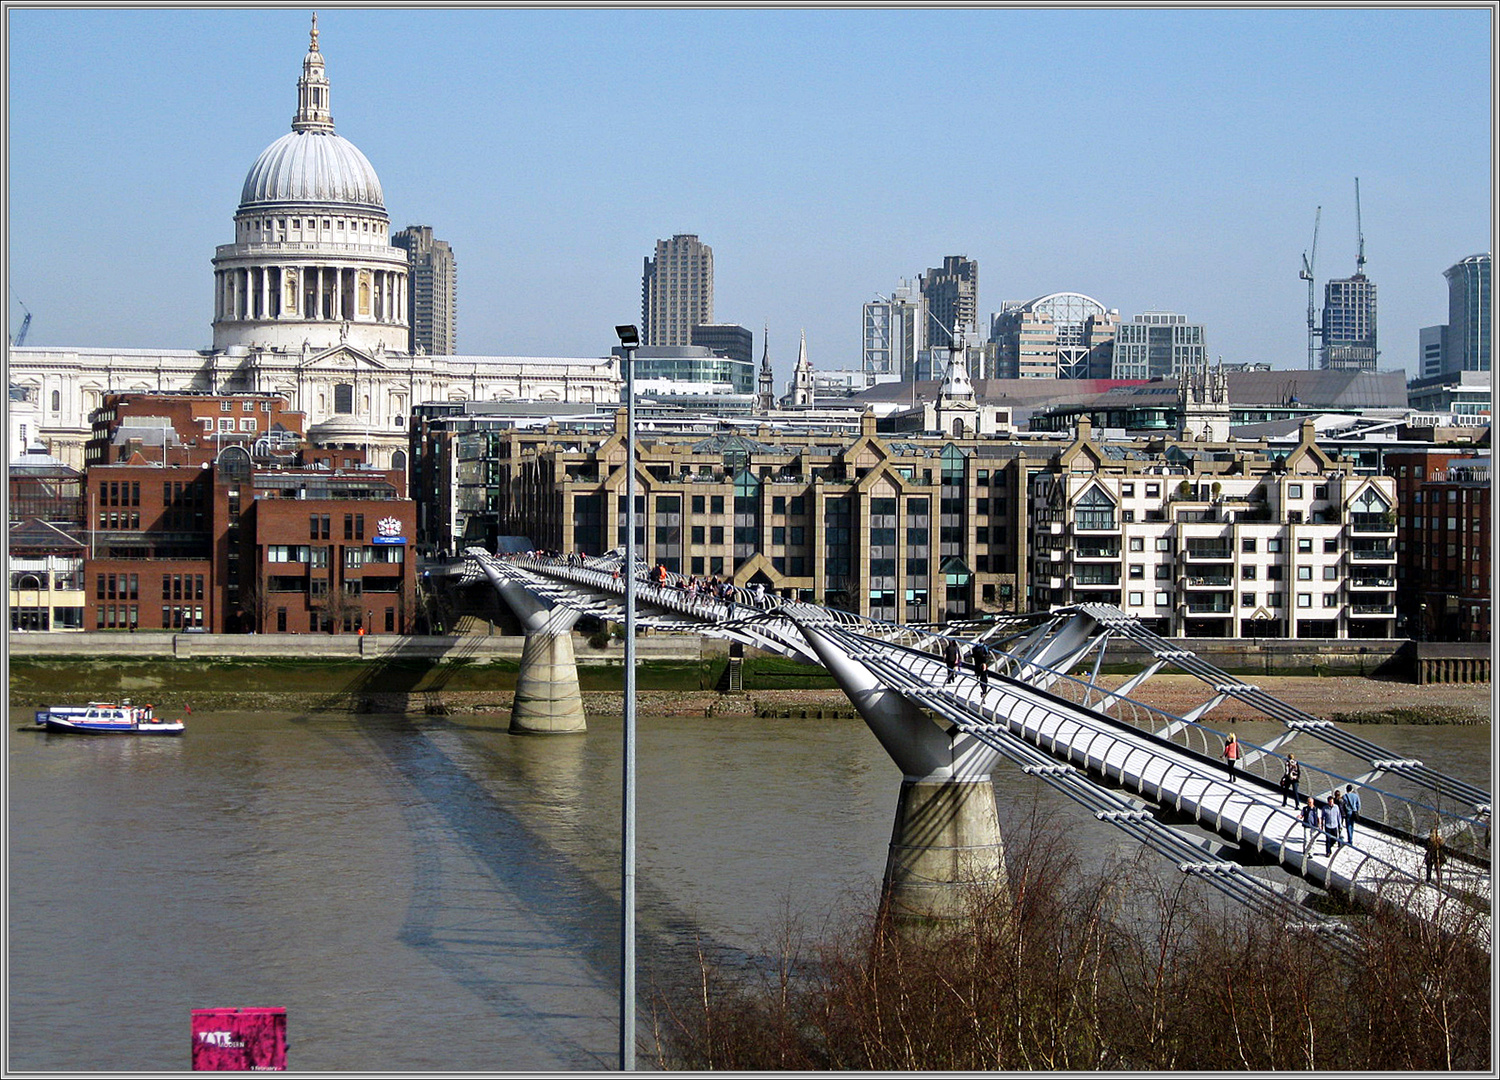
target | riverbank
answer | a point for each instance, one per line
(1346, 700)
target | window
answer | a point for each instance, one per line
(1163, 543)
(1137, 599)
(1304, 573)
(247, 423)
(1273, 545)
(1330, 547)
(1330, 599)
(1153, 489)
(1128, 490)
(1330, 573)
(1304, 599)
(1248, 545)
(1163, 600)
(1294, 491)
(1137, 571)
(1247, 573)
(226, 423)
(1095, 510)
(1304, 545)
(1247, 599)
(1137, 543)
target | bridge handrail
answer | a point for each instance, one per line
(963, 710)
(1129, 627)
(1087, 696)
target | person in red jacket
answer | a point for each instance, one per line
(1231, 755)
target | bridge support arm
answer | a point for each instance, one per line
(946, 849)
(548, 700)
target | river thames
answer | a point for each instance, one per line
(433, 893)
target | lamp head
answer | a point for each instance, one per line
(630, 337)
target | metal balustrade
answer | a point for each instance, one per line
(1095, 742)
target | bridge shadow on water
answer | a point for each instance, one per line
(514, 806)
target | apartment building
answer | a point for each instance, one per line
(1216, 542)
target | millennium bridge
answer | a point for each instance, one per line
(1154, 774)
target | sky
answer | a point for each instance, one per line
(1155, 159)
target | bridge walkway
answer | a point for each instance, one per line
(1097, 744)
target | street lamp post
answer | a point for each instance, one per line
(630, 339)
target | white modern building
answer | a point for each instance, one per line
(311, 302)
(1217, 542)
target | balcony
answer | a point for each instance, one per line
(1217, 606)
(1366, 611)
(1095, 550)
(1196, 516)
(1372, 583)
(1097, 581)
(1373, 523)
(1208, 581)
(1208, 553)
(1373, 553)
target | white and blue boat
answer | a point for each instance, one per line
(106, 718)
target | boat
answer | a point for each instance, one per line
(107, 718)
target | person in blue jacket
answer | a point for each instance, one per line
(1350, 810)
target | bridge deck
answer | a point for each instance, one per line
(1100, 745)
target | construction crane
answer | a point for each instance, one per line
(1308, 264)
(20, 338)
(1359, 229)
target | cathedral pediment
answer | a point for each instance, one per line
(342, 357)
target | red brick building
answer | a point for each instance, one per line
(1452, 523)
(317, 559)
(189, 429)
(239, 529)
(1443, 525)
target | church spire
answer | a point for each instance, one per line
(313, 112)
(766, 384)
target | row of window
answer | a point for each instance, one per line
(320, 555)
(128, 587)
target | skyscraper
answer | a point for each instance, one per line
(952, 295)
(432, 305)
(677, 291)
(893, 335)
(1468, 344)
(1349, 324)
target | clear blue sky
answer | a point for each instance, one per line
(1155, 159)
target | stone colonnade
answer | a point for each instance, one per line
(328, 293)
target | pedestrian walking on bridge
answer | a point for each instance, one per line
(1310, 818)
(1231, 755)
(950, 658)
(1332, 821)
(1351, 810)
(1435, 856)
(979, 656)
(1291, 781)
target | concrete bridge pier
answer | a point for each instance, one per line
(548, 700)
(946, 851)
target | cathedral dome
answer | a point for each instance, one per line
(312, 167)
